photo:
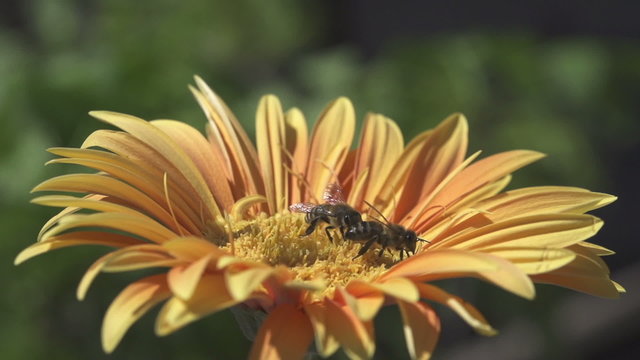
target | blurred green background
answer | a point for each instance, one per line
(562, 80)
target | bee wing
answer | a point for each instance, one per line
(333, 194)
(301, 207)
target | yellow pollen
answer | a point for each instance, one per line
(279, 240)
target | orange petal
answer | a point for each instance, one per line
(133, 302)
(209, 296)
(73, 239)
(331, 139)
(270, 138)
(465, 310)
(443, 151)
(183, 280)
(421, 329)
(354, 335)
(434, 262)
(285, 334)
(160, 142)
(198, 149)
(326, 343)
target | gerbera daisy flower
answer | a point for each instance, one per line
(211, 214)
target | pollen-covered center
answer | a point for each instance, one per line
(280, 240)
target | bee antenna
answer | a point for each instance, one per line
(423, 240)
(376, 210)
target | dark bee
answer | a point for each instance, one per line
(334, 212)
(387, 235)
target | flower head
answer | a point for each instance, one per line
(211, 213)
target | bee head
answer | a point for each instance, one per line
(351, 218)
(410, 240)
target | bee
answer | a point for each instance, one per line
(387, 235)
(334, 211)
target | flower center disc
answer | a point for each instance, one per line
(279, 240)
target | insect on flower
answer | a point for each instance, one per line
(334, 212)
(386, 234)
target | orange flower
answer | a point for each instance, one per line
(211, 213)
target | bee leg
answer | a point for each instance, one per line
(366, 247)
(381, 252)
(326, 230)
(402, 254)
(312, 226)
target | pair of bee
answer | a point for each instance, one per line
(337, 214)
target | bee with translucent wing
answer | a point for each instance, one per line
(334, 212)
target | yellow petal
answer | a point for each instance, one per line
(443, 151)
(98, 205)
(398, 287)
(332, 134)
(387, 199)
(366, 299)
(241, 284)
(473, 197)
(73, 239)
(183, 280)
(99, 184)
(484, 172)
(152, 167)
(160, 142)
(533, 260)
(355, 336)
(240, 208)
(285, 334)
(133, 302)
(141, 259)
(421, 329)
(198, 149)
(586, 273)
(192, 248)
(142, 226)
(596, 249)
(553, 230)
(542, 200)
(431, 263)
(209, 296)
(509, 277)
(99, 265)
(326, 343)
(381, 144)
(226, 133)
(465, 310)
(270, 138)
(297, 144)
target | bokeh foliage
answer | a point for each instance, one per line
(572, 98)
